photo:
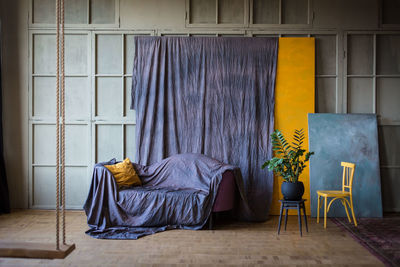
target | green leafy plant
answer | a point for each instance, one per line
(289, 161)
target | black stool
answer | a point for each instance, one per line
(292, 205)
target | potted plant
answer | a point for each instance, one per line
(289, 163)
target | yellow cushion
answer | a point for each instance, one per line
(124, 173)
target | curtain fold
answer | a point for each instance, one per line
(208, 95)
(4, 195)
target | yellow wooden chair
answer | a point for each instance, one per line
(345, 195)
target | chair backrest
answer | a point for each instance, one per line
(348, 174)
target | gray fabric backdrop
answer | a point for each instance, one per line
(208, 95)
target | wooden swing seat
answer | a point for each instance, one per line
(34, 250)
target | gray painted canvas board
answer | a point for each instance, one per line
(352, 138)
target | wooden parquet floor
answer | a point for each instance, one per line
(248, 244)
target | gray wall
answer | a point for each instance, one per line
(358, 71)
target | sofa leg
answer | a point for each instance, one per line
(210, 221)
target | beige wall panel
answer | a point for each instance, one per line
(353, 14)
(150, 14)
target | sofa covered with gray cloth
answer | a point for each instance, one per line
(177, 192)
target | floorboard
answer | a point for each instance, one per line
(228, 244)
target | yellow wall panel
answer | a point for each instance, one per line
(294, 98)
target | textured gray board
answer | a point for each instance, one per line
(352, 138)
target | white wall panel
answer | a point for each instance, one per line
(109, 96)
(108, 142)
(129, 113)
(325, 49)
(44, 187)
(76, 54)
(360, 54)
(202, 11)
(44, 11)
(77, 98)
(265, 11)
(77, 183)
(326, 95)
(44, 96)
(76, 11)
(77, 148)
(130, 142)
(388, 99)
(44, 54)
(388, 54)
(108, 54)
(44, 144)
(360, 95)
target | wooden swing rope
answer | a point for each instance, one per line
(60, 88)
(46, 250)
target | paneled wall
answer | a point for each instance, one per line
(357, 71)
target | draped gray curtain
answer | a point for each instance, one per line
(4, 196)
(208, 95)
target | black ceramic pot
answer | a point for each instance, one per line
(292, 191)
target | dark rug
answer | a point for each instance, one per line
(381, 236)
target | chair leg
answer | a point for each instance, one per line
(280, 219)
(299, 217)
(345, 207)
(286, 215)
(352, 211)
(318, 208)
(305, 216)
(325, 212)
